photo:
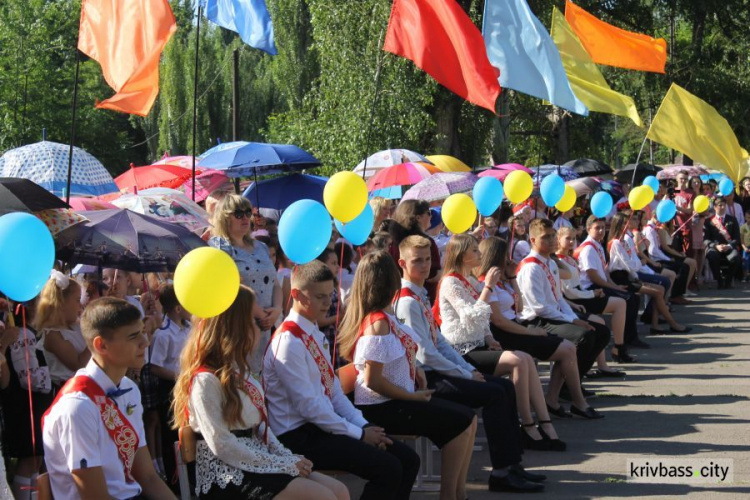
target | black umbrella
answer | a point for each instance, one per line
(625, 174)
(126, 240)
(23, 195)
(586, 167)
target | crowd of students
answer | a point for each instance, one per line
(318, 367)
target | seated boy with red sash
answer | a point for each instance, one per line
(94, 440)
(308, 411)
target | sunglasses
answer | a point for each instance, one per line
(239, 214)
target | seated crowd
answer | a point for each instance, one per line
(329, 365)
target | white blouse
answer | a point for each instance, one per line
(388, 350)
(504, 299)
(58, 372)
(466, 320)
(571, 287)
(221, 456)
(521, 250)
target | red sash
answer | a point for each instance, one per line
(718, 224)
(406, 341)
(408, 292)
(625, 245)
(436, 305)
(550, 278)
(326, 370)
(255, 396)
(599, 251)
(118, 426)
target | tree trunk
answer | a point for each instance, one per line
(447, 120)
(562, 151)
(501, 129)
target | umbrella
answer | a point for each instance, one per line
(671, 171)
(625, 174)
(589, 185)
(125, 240)
(259, 158)
(206, 183)
(46, 163)
(22, 195)
(441, 185)
(281, 192)
(221, 147)
(177, 161)
(58, 219)
(168, 176)
(448, 163)
(80, 204)
(500, 172)
(586, 167)
(404, 174)
(389, 193)
(387, 158)
(173, 207)
(544, 170)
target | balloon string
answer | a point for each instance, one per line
(338, 307)
(627, 225)
(683, 225)
(512, 232)
(289, 299)
(31, 400)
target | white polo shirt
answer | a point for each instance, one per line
(167, 345)
(75, 437)
(591, 258)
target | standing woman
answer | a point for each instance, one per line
(231, 233)
(698, 222)
(216, 396)
(384, 354)
(744, 194)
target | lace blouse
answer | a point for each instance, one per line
(221, 456)
(466, 321)
(388, 350)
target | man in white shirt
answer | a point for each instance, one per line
(592, 261)
(454, 379)
(545, 306)
(308, 410)
(85, 458)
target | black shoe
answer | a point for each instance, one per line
(559, 412)
(513, 483)
(685, 329)
(622, 355)
(599, 373)
(589, 413)
(639, 344)
(554, 444)
(529, 443)
(518, 470)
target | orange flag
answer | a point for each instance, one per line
(126, 38)
(613, 46)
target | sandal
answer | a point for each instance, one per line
(530, 443)
(554, 444)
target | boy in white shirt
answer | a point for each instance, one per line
(94, 440)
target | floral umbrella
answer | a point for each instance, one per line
(671, 171)
(441, 185)
(174, 207)
(58, 219)
(387, 158)
(404, 174)
(206, 183)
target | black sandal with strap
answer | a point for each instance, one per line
(530, 443)
(554, 444)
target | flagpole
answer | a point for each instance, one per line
(235, 107)
(73, 126)
(378, 69)
(195, 91)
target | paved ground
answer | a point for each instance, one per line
(687, 396)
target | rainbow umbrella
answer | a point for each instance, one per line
(405, 174)
(387, 158)
(449, 163)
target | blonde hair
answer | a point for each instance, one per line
(458, 245)
(378, 205)
(414, 241)
(50, 306)
(221, 344)
(376, 282)
(221, 217)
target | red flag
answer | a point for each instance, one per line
(126, 38)
(441, 39)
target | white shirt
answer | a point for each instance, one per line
(294, 392)
(135, 301)
(654, 244)
(521, 249)
(591, 258)
(465, 320)
(58, 372)
(572, 286)
(75, 437)
(561, 222)
(504, 298)
(442, 357)
(167, 345)
(539, 300)
(635, 260)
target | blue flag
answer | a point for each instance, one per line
(249, 18)
(529, 62)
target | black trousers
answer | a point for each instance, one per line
(632, 303)
(389, 474)
(589, 343)
(716, 259)
(497, 399)
(682, 270)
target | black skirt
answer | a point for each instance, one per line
(595, 305)
(536, 346)
(254, 487)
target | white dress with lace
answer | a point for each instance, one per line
(221, 456)
(466, 320)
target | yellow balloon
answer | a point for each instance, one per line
(206, 282)
(518, 186)
(459, 213)
(345, 196)
(640, 196)
(701, 204)
(568, 200)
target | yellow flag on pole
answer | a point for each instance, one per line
(692, 126)
(586, 80)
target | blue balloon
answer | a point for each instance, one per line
(716, 177)
(665, 211)
(27, 254)
(705, 177)
(726, 186)
(488, 195)
(652, 182)
(601, 204)
(552, 189)
(358, 230)
(304, 231)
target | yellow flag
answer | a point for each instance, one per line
(692, 126)
(587, 81)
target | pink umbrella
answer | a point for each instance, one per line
(404, 174)
(80, 204)
(500, 172)
(177, 161)
(205, 184)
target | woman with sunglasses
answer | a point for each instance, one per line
(231, 233)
